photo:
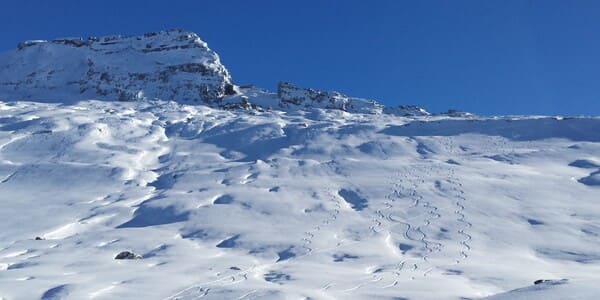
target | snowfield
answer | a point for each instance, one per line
(298, 204)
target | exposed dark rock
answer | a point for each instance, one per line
(75, 42)
(130, 95)
(169, 65)
(406, 111)
(230, 90)
(290, 95)
(118, 68)
(457, 113)
(128, 255)
(551, 281)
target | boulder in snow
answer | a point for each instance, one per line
(128, 255)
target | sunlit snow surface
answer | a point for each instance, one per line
(296, 205)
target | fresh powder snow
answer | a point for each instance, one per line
(222, 191)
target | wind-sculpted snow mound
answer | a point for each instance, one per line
(319, 204)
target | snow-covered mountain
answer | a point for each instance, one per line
(175, 65)
(169, 65)
(244, 193)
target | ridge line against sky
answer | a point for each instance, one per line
(487, 57)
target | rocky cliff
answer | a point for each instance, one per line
(171, 65)
(293, 96)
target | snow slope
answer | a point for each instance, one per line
(296, 204)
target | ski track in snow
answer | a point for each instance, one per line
(203, 289)
(460, 200)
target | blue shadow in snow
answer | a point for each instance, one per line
(584, 164)
(405, 247)
(164, 181)
(230, 242)
(56, 293)
(147, 215)
(225, 199)
(592, 180)
(357, 202)
(575, 129)
(344, 256)
(535, 222)
(285, 254)
(277, 277)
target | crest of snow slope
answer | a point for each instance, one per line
(173, 65)
(316, 204)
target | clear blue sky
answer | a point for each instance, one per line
(488, 57)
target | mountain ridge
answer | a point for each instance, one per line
(169, 65)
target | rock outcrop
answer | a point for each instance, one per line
(127, 255)
(170, 65)
(406, 111)
(290, 95)
(454, 113)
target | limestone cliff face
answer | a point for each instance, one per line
(170, 65)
